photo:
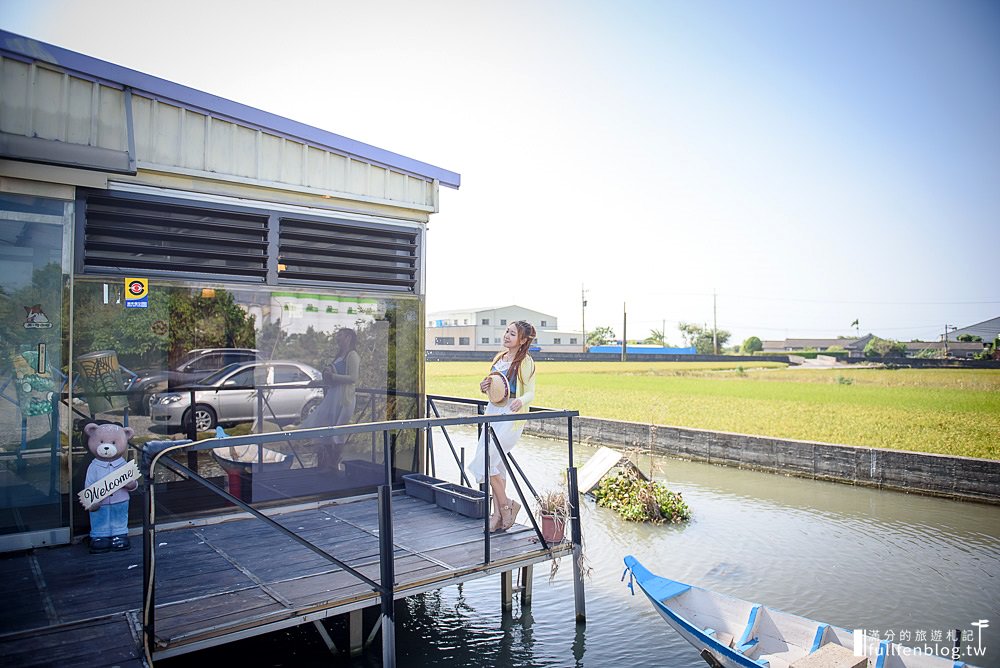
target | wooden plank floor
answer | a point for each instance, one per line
(218, 582)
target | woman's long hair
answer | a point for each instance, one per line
(526, 331)
(352, 344)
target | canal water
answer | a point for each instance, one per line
(911, 566)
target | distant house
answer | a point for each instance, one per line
(955, 348)
(987, 330)
(482, 328)
(856, 347)
(794, 345)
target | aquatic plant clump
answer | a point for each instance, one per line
(639, 500)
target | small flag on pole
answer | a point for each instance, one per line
(854, 324)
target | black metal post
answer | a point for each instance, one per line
(387, 457)
(371, 418)
(576, 529)
(388, 576)
(148, 561)
(486, 433)
(520, 493)
(447, 437)
(192, 434)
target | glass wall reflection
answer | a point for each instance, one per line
(248, 359)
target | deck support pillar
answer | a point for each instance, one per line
(355, 632)
(526, 578)
(388, 571)
(507, 591)
(327, 640)
(576, 530)
(578, 596)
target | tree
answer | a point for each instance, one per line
(177, 320)
(656, 337)
(752, 345)
(878, 347)
(600, 336)
(701, 338)
(970, 338)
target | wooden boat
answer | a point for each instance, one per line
(733, 633)
(242, 458)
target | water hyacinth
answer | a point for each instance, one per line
(639, 500)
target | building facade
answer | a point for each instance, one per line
(479, 329)
(142, 220)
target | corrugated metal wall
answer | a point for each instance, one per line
(39, 101)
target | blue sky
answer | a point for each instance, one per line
(810, 162)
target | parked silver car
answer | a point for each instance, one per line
(230, 395)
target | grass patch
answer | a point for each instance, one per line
(947, 411)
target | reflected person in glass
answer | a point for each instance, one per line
(340, 378)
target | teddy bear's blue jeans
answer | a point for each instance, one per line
(109, 520)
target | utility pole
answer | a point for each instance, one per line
(663, 334)
(624, 332)
(583, 315)
(715, 328)
(946, 328)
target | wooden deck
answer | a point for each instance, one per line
(220, 582)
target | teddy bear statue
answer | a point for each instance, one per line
(108, 514)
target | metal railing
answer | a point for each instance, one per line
(154, 454)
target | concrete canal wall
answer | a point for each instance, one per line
(963, 478)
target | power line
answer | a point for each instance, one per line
(760, 297)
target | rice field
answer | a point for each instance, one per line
(947, 411)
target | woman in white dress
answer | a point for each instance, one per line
(516, 365)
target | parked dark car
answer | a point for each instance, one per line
(230, 395)
(192, 367)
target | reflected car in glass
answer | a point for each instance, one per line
(230, 395)
(194, 366)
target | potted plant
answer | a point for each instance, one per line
(553, 513)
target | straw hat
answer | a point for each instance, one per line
(499, 388)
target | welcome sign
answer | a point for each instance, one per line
(109, 484)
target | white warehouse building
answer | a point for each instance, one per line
(478, 329)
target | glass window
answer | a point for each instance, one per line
(503, 322)
(572, 341)
(375, 335)
(544, 323)
(486, 339)
(206, 363)
(34, 275)
(244, 378)
(486, 321)
(463, 340)
(555, 342)
(445, 340)
(286, 373)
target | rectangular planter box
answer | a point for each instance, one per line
(362, 473)
(421, 486)
(462, 500)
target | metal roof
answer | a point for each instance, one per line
(25, 48)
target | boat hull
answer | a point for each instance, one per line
(730, 632)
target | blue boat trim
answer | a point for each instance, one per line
(883, 652)
(707, 638)
(28, 49)
(820, 634)
(748, 639)
(643, 577)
